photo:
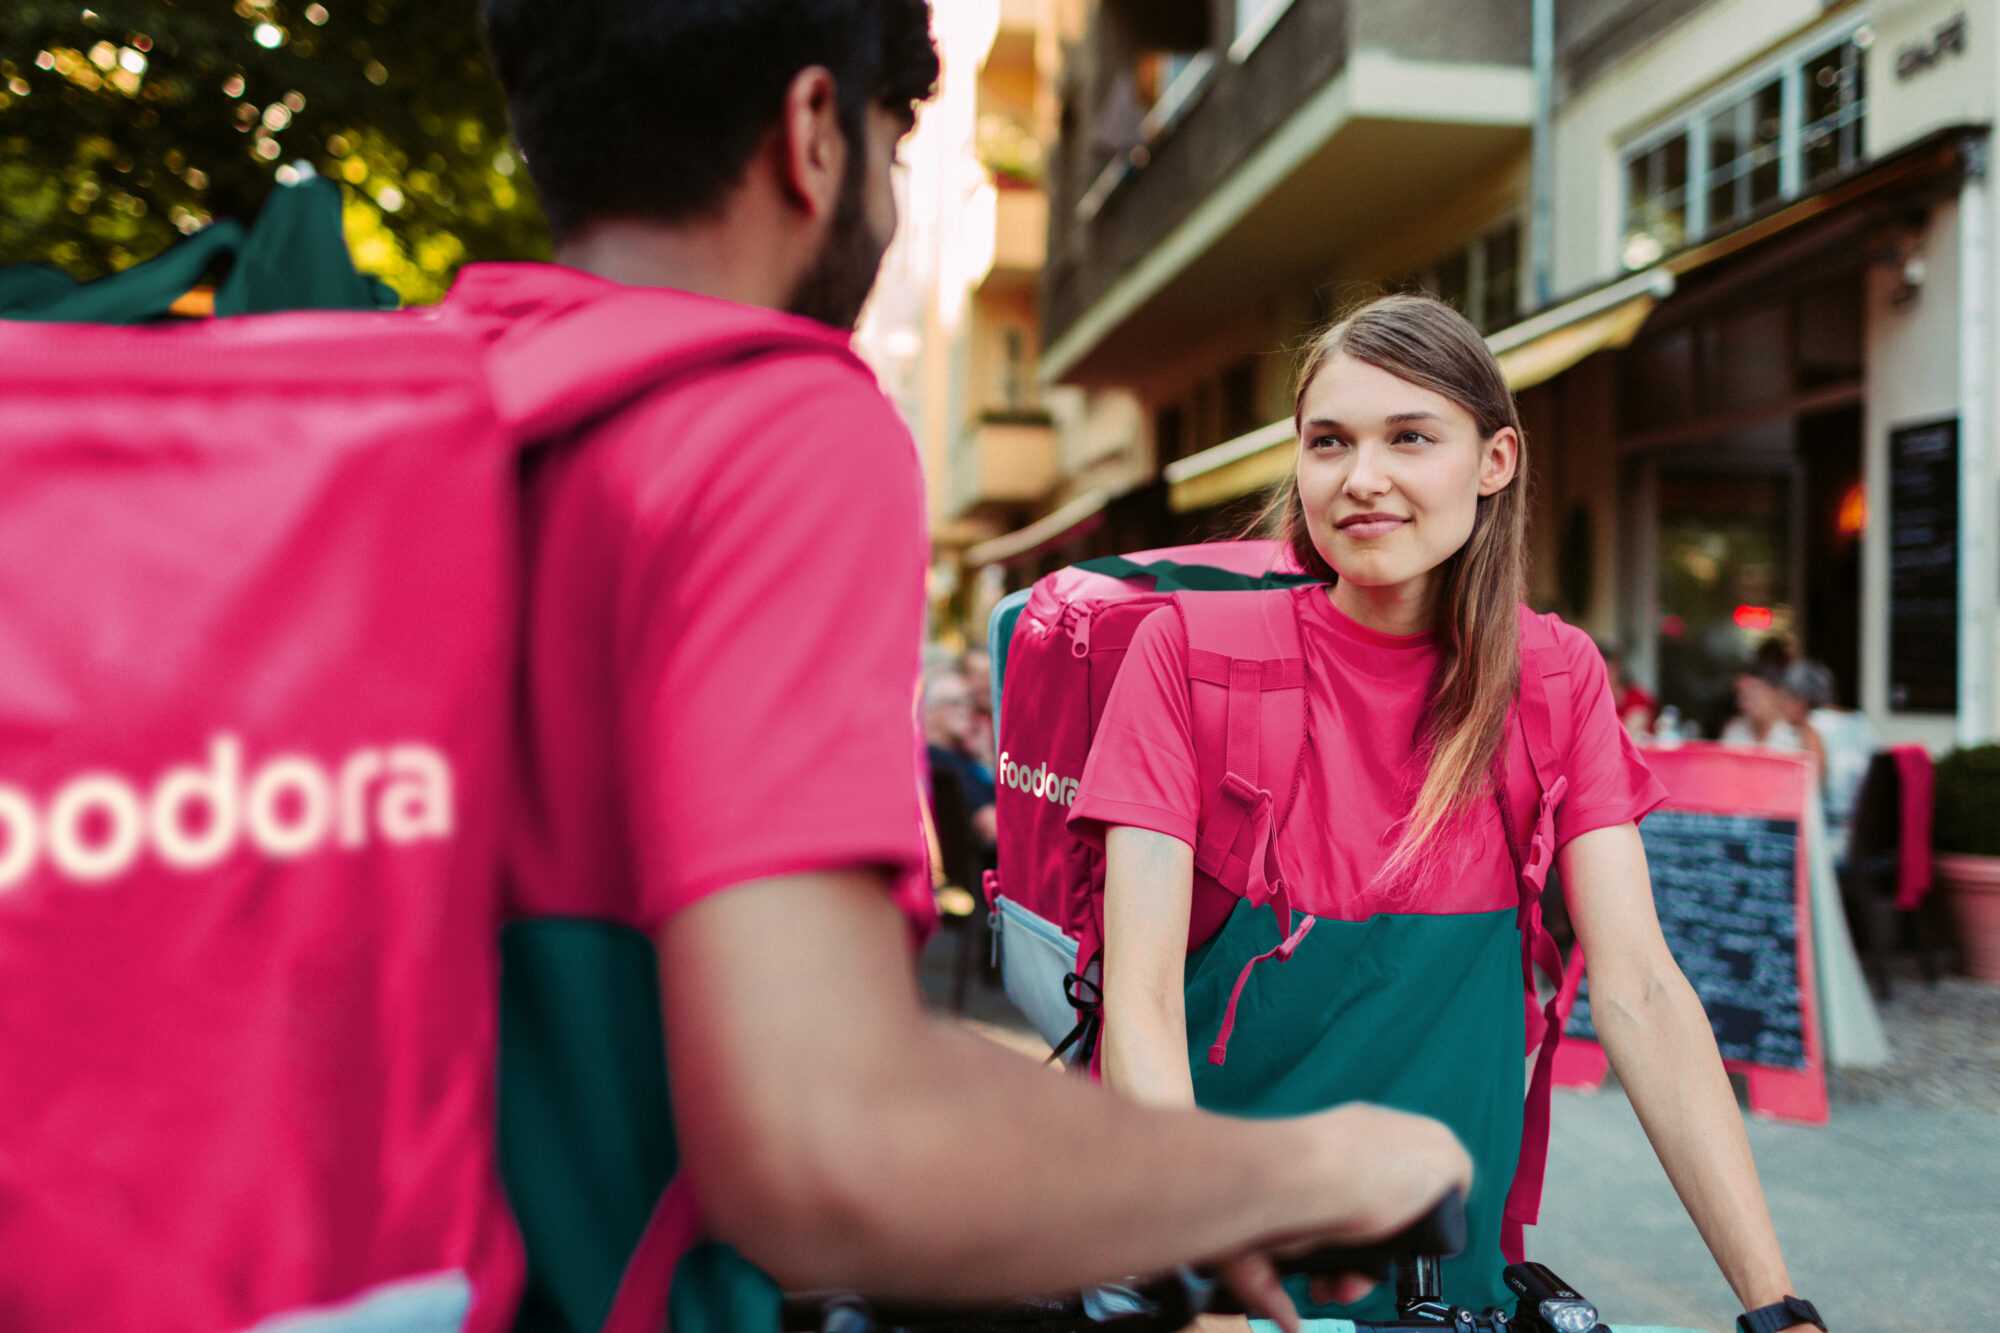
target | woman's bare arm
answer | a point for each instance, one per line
(1660, 1042)
(1148, 895)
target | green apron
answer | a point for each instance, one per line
(1418, 1013)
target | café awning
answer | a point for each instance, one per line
(1064, 521)
(1543, 346)
(1233, 468)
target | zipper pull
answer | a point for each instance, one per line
(1076, 618)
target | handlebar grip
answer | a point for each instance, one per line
(1439, 1233)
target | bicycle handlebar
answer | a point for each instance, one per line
(1439, 1233)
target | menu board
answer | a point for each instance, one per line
(1726, 887)
(1923, 567)
(1732, 887)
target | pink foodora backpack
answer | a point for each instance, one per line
(1057, 652)
(257, 752)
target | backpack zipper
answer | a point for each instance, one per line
(1075, 621)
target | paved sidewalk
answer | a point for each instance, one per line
(1890, 1217)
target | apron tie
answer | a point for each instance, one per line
(1538, 949)
(1264, 883)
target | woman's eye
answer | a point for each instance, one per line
(1327, 442)
(1414, 437)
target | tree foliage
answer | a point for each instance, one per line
(130, 123)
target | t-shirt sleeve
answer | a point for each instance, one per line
(769, 638)
(1142, 771)
(1609, 782)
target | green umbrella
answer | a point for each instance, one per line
(293, 258)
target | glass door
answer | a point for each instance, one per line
(1725, 580)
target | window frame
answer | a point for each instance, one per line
(1250, 33)
(1692, 119)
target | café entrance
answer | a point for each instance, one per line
(1740, 430)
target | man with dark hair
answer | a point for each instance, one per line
(724, 610)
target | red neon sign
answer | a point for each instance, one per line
(1753, 618)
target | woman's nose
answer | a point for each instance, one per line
(1367, 478)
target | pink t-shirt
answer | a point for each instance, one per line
(1365, 695)
(725, 618)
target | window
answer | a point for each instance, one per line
(1783, 131)
(1655, 202)
(1501, 285)
(1170, 434)
(1835, 96)
(1481, 281)
(1014, 381)
(1239, 399)
(1743, 145)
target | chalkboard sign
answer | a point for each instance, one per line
(1727, 891)
(1923, 567)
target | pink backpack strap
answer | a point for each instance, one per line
(1547, 715)
(1247, 644)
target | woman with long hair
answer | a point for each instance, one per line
(1406, 985)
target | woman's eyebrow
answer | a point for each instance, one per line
(1394, 419)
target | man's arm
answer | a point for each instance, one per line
(838, 1136)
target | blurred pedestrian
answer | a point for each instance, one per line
(977, 664)
(948, 718)
(1760, 718)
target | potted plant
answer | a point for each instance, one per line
(1966, 835)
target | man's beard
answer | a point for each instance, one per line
(837, 286)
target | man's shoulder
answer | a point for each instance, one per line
(776, 421)
(769, 396)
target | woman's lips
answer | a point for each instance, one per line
(1366, 529)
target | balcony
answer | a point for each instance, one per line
(1261, 166)
(1002, 460)
(1020, 237)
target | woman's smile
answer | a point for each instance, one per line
(1369, 527)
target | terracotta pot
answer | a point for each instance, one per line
(1971, 884)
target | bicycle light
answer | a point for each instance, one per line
(1551, 1300)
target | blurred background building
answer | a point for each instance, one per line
(1737, 258)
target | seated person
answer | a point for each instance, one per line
(1807, 696)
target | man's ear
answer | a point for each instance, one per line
(1499, 460)
(811, 147)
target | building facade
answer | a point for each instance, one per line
(1753, 339)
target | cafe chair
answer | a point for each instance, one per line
(1868, 883)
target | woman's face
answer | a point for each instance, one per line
(1391, 473)
(1756, 700)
